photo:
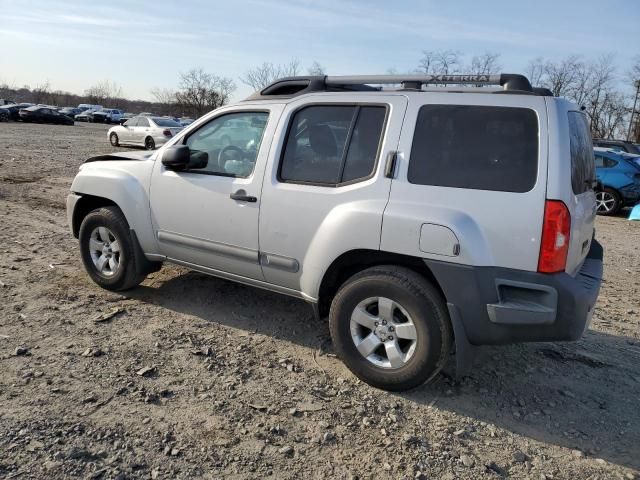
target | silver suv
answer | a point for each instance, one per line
(421, 220)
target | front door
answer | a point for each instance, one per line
(208, 216)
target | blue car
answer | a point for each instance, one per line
(618, 176)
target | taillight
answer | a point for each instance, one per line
(167, 133)
(556, 228)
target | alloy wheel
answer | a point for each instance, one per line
(104, 249)
(383, 332)
(605, 202)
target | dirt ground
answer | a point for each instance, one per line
(242, 383)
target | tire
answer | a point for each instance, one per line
(132, 266)
(414, 301)
(113, 138)
(149, 143)
(608, 202)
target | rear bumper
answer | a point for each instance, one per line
(500, 305)
(630, 194)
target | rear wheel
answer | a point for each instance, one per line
(149, 144)
(391, 328)
(608, 202)
(113, 138)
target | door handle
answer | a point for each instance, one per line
(241, 196)
(390, 167)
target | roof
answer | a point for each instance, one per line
(290, 87)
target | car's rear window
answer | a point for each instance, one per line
(583, 171)
(166, 122)
(475, 147)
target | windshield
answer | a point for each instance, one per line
(166, 122)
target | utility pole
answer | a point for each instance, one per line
(633, 111)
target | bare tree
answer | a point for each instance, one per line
(440, 62)
(200, 92)
(166, 96)
(316, 69)
(560, 76)
(535, 71)
(485, 64)
(41, 93)
(104, 91)
(262, 75)
(632, 78)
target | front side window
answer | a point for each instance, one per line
(231, 143)
(475, 147)
(332, 144)
(582, 161)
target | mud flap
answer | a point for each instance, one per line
(465, 352)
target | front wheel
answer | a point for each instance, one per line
(113, 138)
(607, 202)
(391, 328)
(149, 144)
(110, 255)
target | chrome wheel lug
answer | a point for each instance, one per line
(391, 329)
(384, 322)
(390, 337)
(376, 324)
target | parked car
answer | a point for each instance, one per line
(617, 145)
(40, 114)
(149, 132)
(89, 106)
(14, 110)
(418, 222)
(4, 101)
(85, 116)
(107, 115)
(70, 112)
(185, 121)
(126, 116)
(618, 174)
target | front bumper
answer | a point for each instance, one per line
(500, 305)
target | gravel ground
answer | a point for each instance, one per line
(194, 377)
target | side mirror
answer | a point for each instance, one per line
(176, 157)
(179, 157)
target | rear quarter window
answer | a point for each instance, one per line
(583, 171)
(475, 147)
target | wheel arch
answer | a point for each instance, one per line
(85, 205)
(354, 261)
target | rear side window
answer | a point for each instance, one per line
(332, 144)
(583, 172)
(475, 147)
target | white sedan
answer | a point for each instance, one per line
(147, 132)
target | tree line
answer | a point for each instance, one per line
(605, 93)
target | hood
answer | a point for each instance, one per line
(120, 156)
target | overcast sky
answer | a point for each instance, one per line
(141, 45)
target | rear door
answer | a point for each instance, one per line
(139, 132)
(471, 180)
(326, 190)
(582, 205)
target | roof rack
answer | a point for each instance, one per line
(293, 86)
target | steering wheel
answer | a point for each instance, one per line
(229, 148)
